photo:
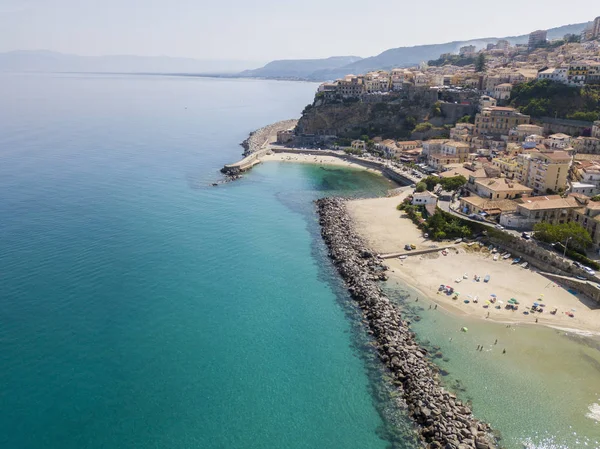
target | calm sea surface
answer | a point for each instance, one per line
(141, 308)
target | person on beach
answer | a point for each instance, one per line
(496, 342)
(435, 308)
(504, 351)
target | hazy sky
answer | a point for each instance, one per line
(262, 30)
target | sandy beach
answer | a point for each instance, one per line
(387, 230)
(311, 159)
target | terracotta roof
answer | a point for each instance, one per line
(549, 202)
(485, 204)
(503, 185)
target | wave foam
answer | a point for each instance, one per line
(594, 412)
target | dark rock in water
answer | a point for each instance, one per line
(440, 419)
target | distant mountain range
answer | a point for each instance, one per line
(300, 68)
(305, 69)
(389, 59)
(49, 61)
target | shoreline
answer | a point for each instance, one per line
(387, 230)
(260, 146)
(440, 418)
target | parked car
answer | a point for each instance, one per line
(499, 226)
(589, 271)
(525, 236)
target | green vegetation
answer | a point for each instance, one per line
(545, 98)
(456, 60)
(423, 127)
(436, 109)
(466, 119)
(595, 198)
(449, 184)
(353, 151)
(578, 237)
(421, 187)
(440, 225)
(480, 63)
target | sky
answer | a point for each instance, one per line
(263, 30)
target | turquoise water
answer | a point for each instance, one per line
(543, 392)
(140, 307)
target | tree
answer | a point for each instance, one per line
(577, 235)
(421, 187)
(465, 119)
(480, 63)
(453, 183)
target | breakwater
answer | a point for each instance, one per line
(257, 145)
(442, 420)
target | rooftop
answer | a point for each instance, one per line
(487, 205)
(503, 185)
(548, 202)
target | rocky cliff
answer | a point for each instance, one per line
(393, 117)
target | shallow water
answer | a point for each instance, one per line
(543, 391)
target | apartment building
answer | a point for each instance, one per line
(586, 145)
(502, 91)
(462, 132)
(552, 209)
(537, 38)
(558, 141)
(521, 132)
(544, 171)
(558, 74)
(497, 121)
(501, 189)
(485, 101)
(351, 86)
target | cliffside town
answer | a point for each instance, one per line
(520, 123)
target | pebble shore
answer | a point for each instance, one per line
(442, 420)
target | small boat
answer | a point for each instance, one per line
(486, 278)
(457, 241)
(516, 260)
(524, 264)
(494, 250)
(495, 256)
(506, 256)
(470, 244)
(402, 257)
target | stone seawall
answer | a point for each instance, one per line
(442, 421)
(256, 145)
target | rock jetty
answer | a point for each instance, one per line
(257, 139)
(442, 420)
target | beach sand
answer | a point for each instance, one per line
(387, 230)
(311, 159)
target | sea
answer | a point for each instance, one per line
(142, 307)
